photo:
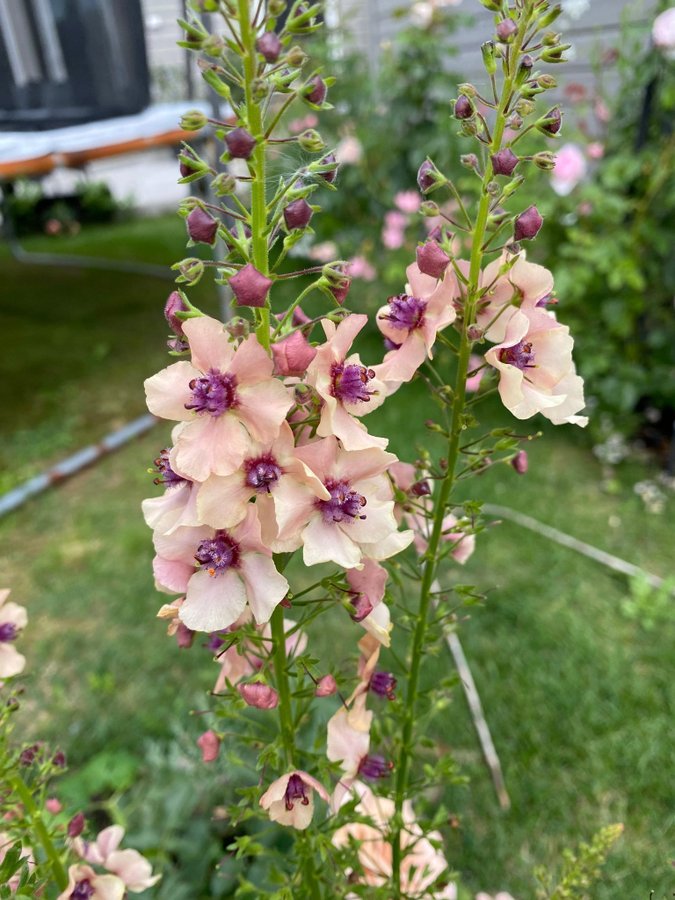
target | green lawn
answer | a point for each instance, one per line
(579, 696)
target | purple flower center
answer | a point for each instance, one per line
(546, 300)
(521, 355)
(344, 504)
(84, 890)
(166, 474)
(218, 554)
(213, 393)
(295, 790)
(8, 632)
(405, 312)
(374, 767)
(262, 473)
(383, 684)
(350, 383)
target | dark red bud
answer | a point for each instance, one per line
(76, 825)
(504, 162)
(250, 287)
(520, 462)
(269, 46)
(298, 214)
(553, 126)
(463, 107)
(331, 175)
(201, 226)
(420, 489)
(527, 224)
(240, 143)
(316, 90)
(432, 259)
(175, 304)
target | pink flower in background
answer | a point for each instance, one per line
(324, 252)
(221, 573)
(473, 383)
(209, 744)
(663, 32)
(359, 267)
(349, 151)
(410, 321)
(13, 619)
(356, 522)
(224, 398)
(395, 220)
(408, 202)
(393, 238)
(295, 126)
(536, 370)
(595, 150)
(601, 111)
(290, 799)
(347, 388)
(570, 168)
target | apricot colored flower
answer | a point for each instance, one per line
(133, 870)
(525, 286)
(368, 584)
(221, 572)
(290, 799)
(83, 881)
(13, 618)
(536, 371)
(346, 387)
(356, 521)
(411, 321)
(224, 398)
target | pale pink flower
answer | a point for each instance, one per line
(501, 895)
(221, 572)
(209, 744)
(247, 657)
(290, 799)
(410, 321)
(349, 151)
(222, 502)
(368, 586)
(357, 520)
(324, 252)
(346, 387)
(177, 505)
(408, 202)
(13, 618)
(536, 370)
(224, 398)
(570, 168)
(393, 238)
(359, 267)
(473, 382)
(133, 869)
(526, 286)
(395, 220)
(595, 150)
(91, 885)
(663, 32)
(602, 110)
(348, 736)
(422, 864)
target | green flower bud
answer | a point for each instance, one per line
(550, 17)
(311, 141)
(544, 160)
(296, 57)
(524, 107)
(276, 7)
(468, 89)
(489, 58)
(429, 209)
(224, 184)
(547, 81)
(191, 270)
(193, 120)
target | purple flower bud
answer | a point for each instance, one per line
(420, 489)
(298, 214)
(383, 684)
(59, 759)
(506, 29)
(469, 160)
(520, 462)
(463, 107)
(240, 143)
(28, 755)
(374, 767)
(260, 695)
(331, 175)
(184, 636)
(428, 177)
(175, 303)
(326, 686)
(315, 90)
(76, 825)
(432, 259)
(527, 224)
(250, 287)
(185, 168)
(361, 605)
(552, 121)
(201, 226)
(269, 46)
(504, 162)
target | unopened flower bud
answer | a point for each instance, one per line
(520, 462)
(53, 805)
(504, 162)
(76, 825)
(515, 122)
(555, 54)
(269, 46)
(59, 759)
(492, 5)
(467, 88)
(202, 227)
(469, 160)
(550, 39)
(429, 209)
(524, 69)
(175, 303)
(191, 270)
(292, 355)
(184, 636)
(464, 108)
(336, 281)
(549, 17)
(469, 127)
(524, 107)
(547, 81)
(432, 259)
(250, 287)
(191, 165)
(298, 214)
(276, 7)
(527, 225)
(506, 30)
(259, 89)
(240, 143)
(327, 168)
(209, 744)
(489, 58)
(311, 141)
(213, 45)
(420, 488)
(224, 184)
(259, 695)
(544, 160)
(193, 120)
(551, 123)
(296, 57)
(428, 177)
(474, 333)
(326, 686)
(315, 91)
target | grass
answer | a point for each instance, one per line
(579, 697)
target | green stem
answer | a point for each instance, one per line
(260, 250)
(283, 688)
(40, 829)
(457, 428)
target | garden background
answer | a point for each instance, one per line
(576, 674)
